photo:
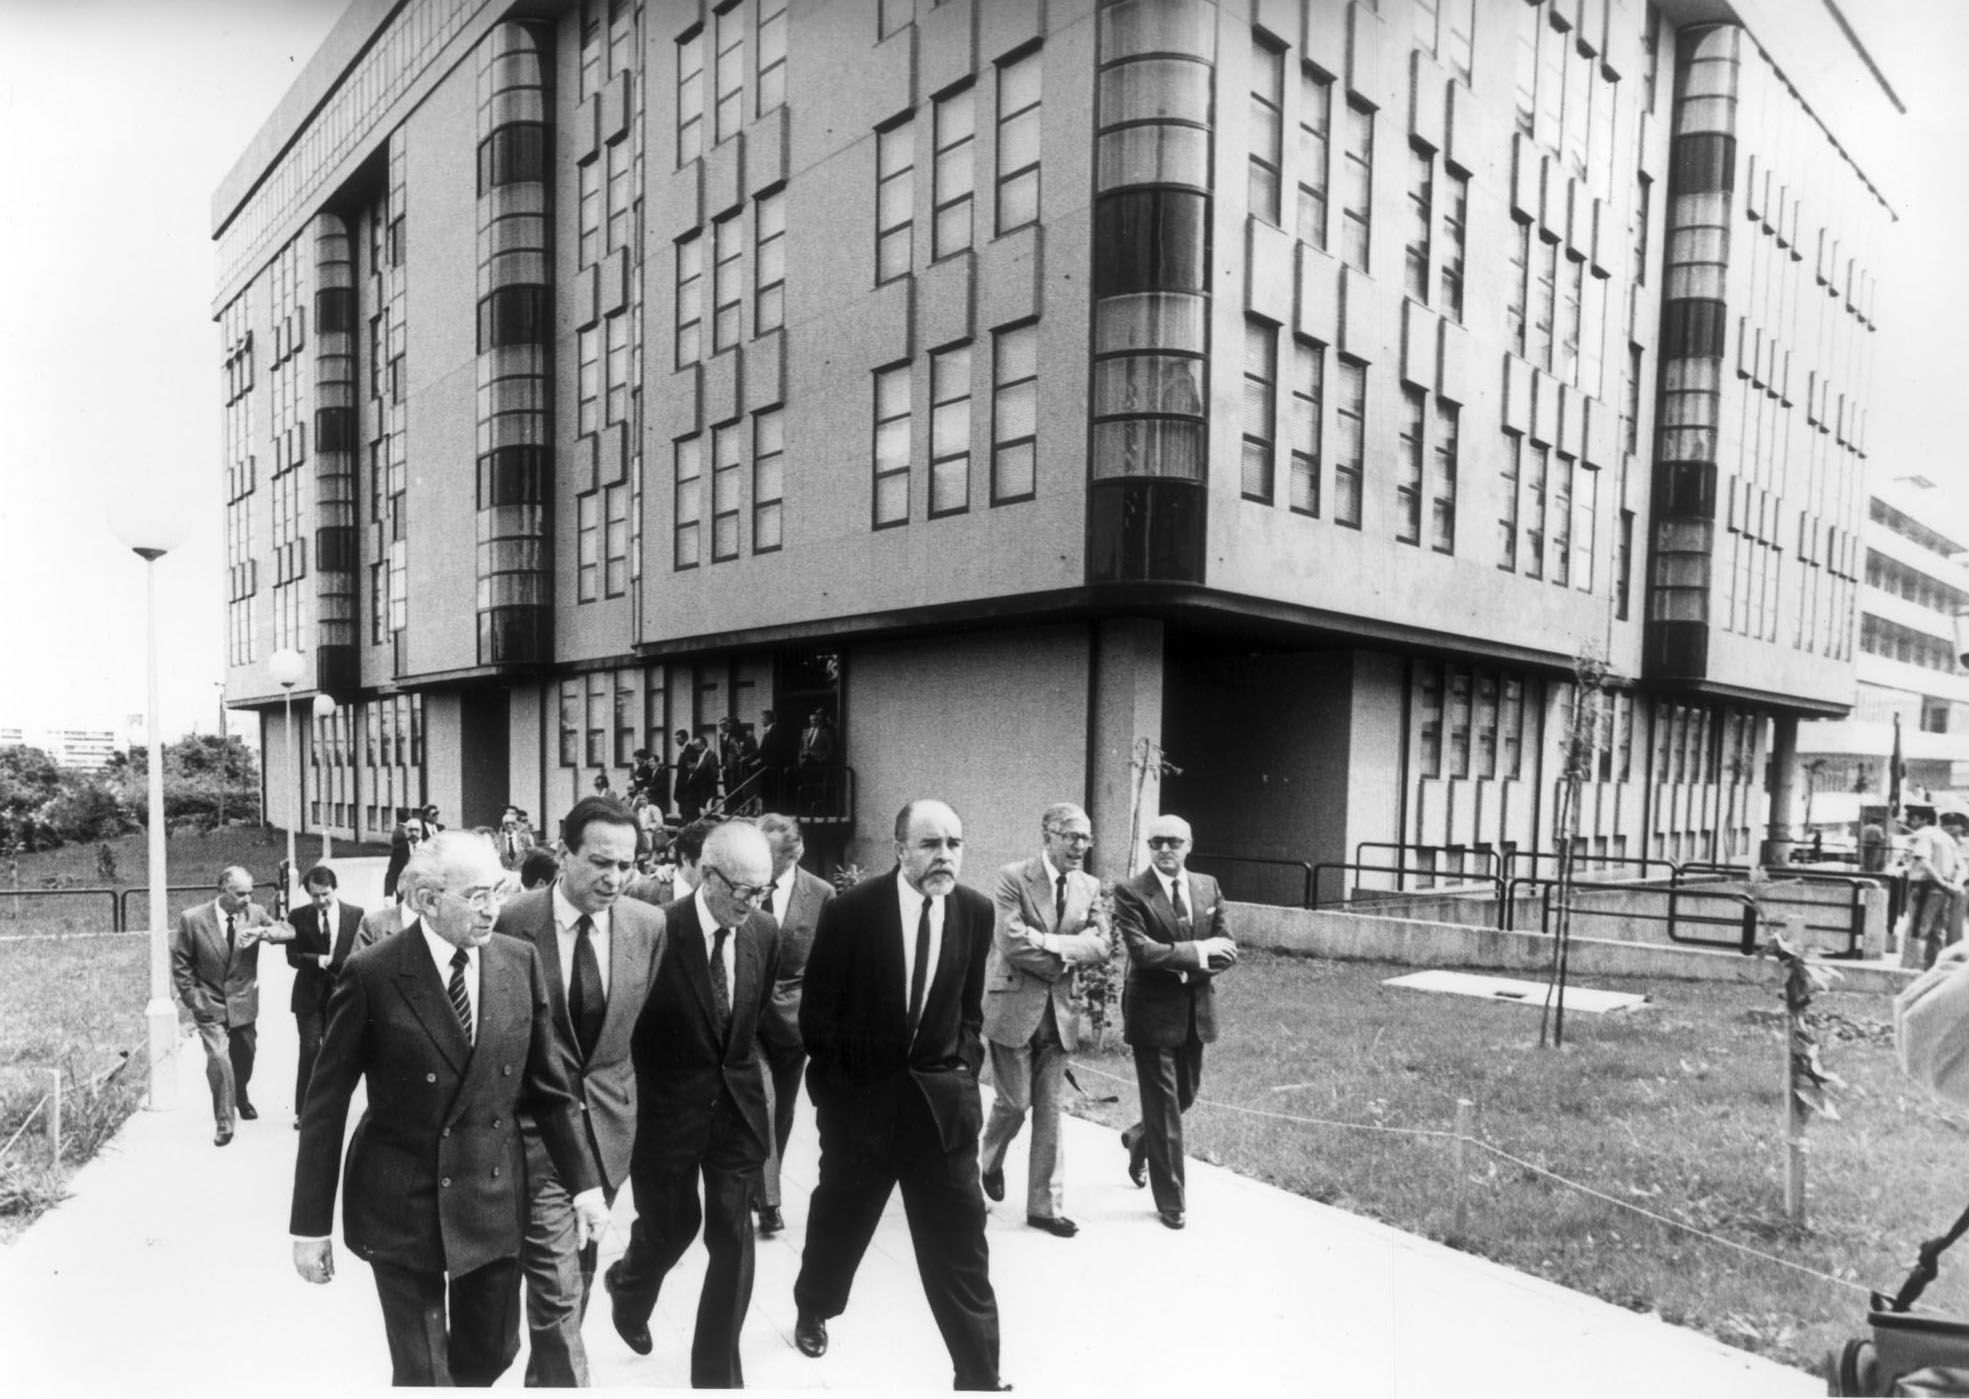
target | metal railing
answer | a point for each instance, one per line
(1439, 855)
(1533, 860)
(1845, 918)
(1238, 890)
(118, 899)
(1491, 885)
(1682, 910)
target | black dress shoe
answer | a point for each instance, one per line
(634, 1334)
(1138, 1162)
(994, 1185)
(810, 1335)
(247, 1110)
(1058, 1225)
(222, 1136)
(771, 1221)
(1171, 1219)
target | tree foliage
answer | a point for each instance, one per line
(207, 780)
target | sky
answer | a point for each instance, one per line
(120, 119)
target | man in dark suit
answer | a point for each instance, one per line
(890, 1014)
(795, 904)
(1178, 940)
(452, 1030)
(779, 753)
(215, 964)
(1050, 921)
(404, 836)
(600, 952)
(701, 1104)
(324, 935)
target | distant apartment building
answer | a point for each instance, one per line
(85, 750)
(1911, 643)
(1299, 387)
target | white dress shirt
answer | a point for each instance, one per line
(780, 902)
(601, 925)
(910, 901)
(331, 921)
(708, 921)
(1187, 907)
(441, 954)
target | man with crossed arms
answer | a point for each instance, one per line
(1048, 922)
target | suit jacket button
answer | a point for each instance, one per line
(430, 1078)
(445, 1182)
(445, 1133)
(506, 1069)
(495, 1173)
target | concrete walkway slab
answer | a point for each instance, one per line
(168, 1271)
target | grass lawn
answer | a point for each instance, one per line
(72, 998)
(1673, 1108)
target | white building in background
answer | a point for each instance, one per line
(86, 750)
(1909, 664)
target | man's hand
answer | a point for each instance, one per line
(314, 1259)
(1218, 953)
(590, 1216)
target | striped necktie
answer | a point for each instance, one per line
(461, 1004)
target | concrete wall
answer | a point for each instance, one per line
(1125, 705)
(527, 739)
(444, 756)
(974, 721)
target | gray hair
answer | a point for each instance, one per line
(425, 867)
(1052, 816)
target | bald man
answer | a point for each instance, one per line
(215, 964)
(1178, 941)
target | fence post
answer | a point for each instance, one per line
(54, 1119)
(1465, 1113)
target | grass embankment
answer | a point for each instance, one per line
(1673, 1108)
(72, 996)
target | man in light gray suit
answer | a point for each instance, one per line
(1049, 920)
(600, 952)
(215, 964)
(795, 902)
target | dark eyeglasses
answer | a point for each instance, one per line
(1166, 842)
(748, 893)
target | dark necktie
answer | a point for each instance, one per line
(461, 1004)
(1059, 902)
(232, 936)
(585, 1003)
(1182, 905)
(919, 975)
(721, 994)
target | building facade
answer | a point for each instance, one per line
(1294, 390)
(85, 750)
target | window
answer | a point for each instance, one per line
(1421, 218)
(892, 446)
(597, 718)
(768, 479)
(690, 96)
(1315, 125)
(690, 300)
(724, 492)
(1559, 524)
(1511, 724)
(1429, 720)
(1303, 429)
(588, 379)
(1018, 143)
(615, 539)
(726, 238)
(1517, 286)
(1623, 563)
(731, 71)
(690, 505)
(1350, 422)
(1585, 512)
(950, 431)
(625, 717)
(1486, 725)
(1571, 311)
(1631, 416)
(1643, 199)
(1531, 20)
(1014, 414)
(587, 547)
(1544, 302)
(1267, 128)
(1260, 406)
(1592, 334)
(1442, 509)
(772, 55)
(1356, 186)
(1455, 212)
(895, 200)
(570, 723)
(616, 381)
(954, 179)
(1459, 721)
(1536, 461)
(1408, 487)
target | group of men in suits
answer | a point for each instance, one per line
(515, 1082)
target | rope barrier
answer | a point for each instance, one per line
(1503, 1155)
(32, 1113)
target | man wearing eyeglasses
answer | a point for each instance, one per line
(701, 1103)
(600, 952)
(1178, 941)
(1049, 921)
(452, 1031)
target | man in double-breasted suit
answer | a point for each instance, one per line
(1048, 922)
(1178, 940)
(600, 952)
(795, 904)
(701, 1104)
(451, 1030)
(890, 1015)
(215, 964)
(324, 934)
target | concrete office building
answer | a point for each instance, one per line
(1299, 386)
(1909, 669)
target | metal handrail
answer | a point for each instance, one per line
(1854, 927)
(115, 915)
(1306, 897)
(1643, 862)
(1675, 918)
(122, 923)
(1488, 854)
(1462, 884)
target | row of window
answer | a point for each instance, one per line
(1313, 174)
(727, 449)
(1550, 514)
(1891, 576)
(1014, 410)
(1485, 713)
(711, 74)
(1555, 309)
(727, 288)
(1881, 637)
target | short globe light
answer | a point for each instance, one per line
(287, 666)
(149, 521)
(324, 706)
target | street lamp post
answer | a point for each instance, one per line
(287, 666)
(150, 525)
(324, 708)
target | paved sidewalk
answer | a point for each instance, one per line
(168, 1272)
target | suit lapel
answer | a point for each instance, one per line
(751, 972)
(417, 978)
(623, 982)
(950, 954)
(1041, 894)
(694, 963)
(547, 942)
(505, 1008)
